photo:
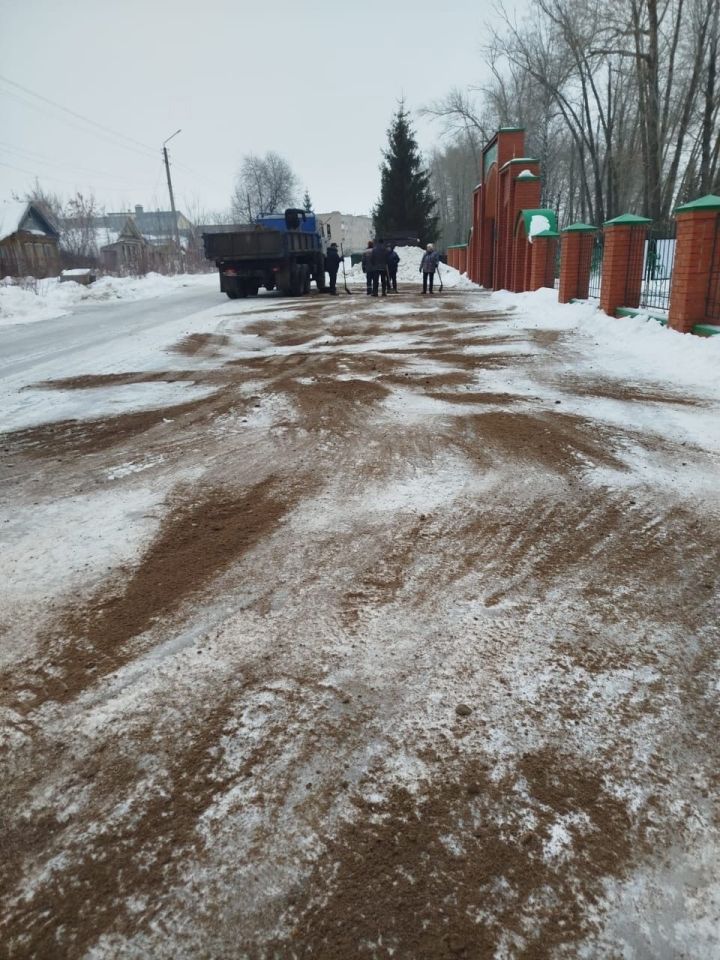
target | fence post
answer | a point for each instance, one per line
(542, 259)
(576, 247)
(697, 264)
(623, 259)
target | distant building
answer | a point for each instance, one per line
(350, 230)
(28, 241)
(152, 224)
(128, 251)
(136, 242)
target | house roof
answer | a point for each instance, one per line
(158, 223)
(128, 232)
(21, 215)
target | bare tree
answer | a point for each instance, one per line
(619, 99)
(51, 204)
(78, 233)
(264, 185)
(453, 176)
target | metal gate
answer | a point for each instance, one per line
(596, 262)
(658, 262)
(712, 300)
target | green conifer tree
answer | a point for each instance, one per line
(307, 202)
(406, 203)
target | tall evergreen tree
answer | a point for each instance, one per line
(307, 202)
(406, 203)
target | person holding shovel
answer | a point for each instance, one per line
(393, 261)
(367, 253)
(332, 265)
(378, 267)
(428, 266)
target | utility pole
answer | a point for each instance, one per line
(176, 230)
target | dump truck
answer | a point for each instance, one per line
(284, 252)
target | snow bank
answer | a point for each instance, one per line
(409, 271)
(48, 299)
(632, 348)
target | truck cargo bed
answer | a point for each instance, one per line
(238, 244)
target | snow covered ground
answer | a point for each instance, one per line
(51, 298)
(340, 627)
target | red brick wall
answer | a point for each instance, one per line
(542, 263)
(622, 267)
(575, 260)
(697, 256)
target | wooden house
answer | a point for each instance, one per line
(28, 241)
(129, 253)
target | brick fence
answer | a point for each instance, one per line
(695, 282)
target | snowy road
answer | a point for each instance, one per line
(29, 348)
(347, 628)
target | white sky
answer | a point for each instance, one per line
(317, 82)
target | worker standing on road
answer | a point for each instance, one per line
(366, 266)
(379, 267)
(393, 261)
(332, 265)
(428, 266)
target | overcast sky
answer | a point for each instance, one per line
(317, 82)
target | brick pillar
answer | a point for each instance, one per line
(519, 255)
(622, 265)
(542, 263)
(575, 258)
(697, 260)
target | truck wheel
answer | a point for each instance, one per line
(252, 289)
(297, 281)
(320, 276)
(306, 284)
(232, 294)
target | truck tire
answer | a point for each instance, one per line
(252, 288)
(297, 280)
(306, 284)
(232, 294)
(320, 275)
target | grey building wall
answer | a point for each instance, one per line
(352, 230)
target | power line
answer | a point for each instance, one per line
(33, 173)
(78, 116)
(100, 130)
(33, 157)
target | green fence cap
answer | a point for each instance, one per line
(509, 163)
(627, 220)
(544, 214)
(709, 202)
(579, 228)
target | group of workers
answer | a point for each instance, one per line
(380, 265)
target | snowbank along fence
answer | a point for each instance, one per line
(630, 264)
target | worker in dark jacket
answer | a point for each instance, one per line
(379, 267)
(366, 266)
(428, 266)
(393, 261)
(332, 265)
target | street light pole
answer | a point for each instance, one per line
(176, 230)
